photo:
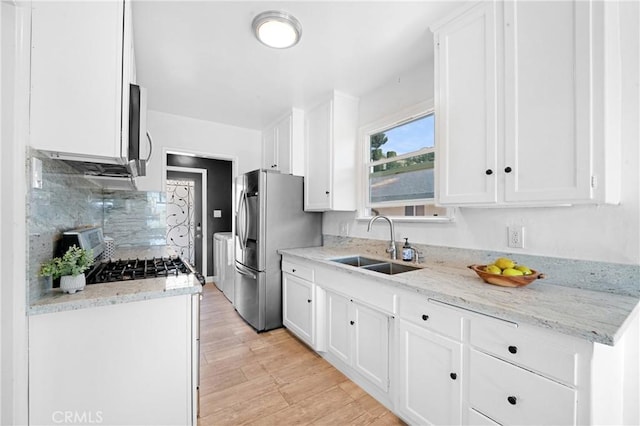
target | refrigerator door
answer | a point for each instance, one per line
(249, 296)
(248, 219)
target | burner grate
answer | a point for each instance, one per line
(136, 269)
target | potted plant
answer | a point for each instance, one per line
(69, 268)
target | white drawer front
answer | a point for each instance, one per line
(514, 396)
(426, 314)
(303, 272)
(546, 352)
(478, 419)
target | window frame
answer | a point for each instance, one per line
(390, 121)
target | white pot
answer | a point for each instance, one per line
(72, 283)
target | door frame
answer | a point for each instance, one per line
(203, 173)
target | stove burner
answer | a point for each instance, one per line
(137, 269)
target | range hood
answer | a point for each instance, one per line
(120, 171)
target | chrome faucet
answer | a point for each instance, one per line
(392, 244)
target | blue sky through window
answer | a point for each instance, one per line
(411, 136)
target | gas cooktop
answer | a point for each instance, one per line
(138, 269)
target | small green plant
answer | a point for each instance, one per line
(74, 262)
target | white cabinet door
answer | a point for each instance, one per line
(371, 345)
(330, 149)
(338, 326)
(466, 108)
(298, 312)
(547, 100)
(78, 99)
(270, 149)
(129, 363)
(359, 337)
(318, 154)
(429, 382)
(283, 145)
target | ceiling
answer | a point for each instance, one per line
(200, 59)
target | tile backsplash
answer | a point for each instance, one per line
(67, 200)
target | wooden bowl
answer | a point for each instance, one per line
(506, 280)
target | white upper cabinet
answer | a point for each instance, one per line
(81, 66)
(330, 152)
(526, 107)
(283, 144)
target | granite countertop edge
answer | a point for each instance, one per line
(96, 295)
(591, 315)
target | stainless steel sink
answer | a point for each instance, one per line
(376, 265)
(357, 261)
(390, 268)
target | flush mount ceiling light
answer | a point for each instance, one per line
(277, 29)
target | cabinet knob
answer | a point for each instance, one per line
(453, 376)
(351, 322)
(512, 400)
(507, 169)
(308, 300)
(326, 192)
(488, 172)
(293, 270)
(513, 349)
(425, 317)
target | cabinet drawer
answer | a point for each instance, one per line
(551, 354)
(303, 272)
(479, 419)
(427, 314)
(512, 395)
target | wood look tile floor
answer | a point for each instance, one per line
(271, 378)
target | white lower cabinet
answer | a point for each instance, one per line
(430, 369)
(123, 364)
(359, 337)
(298, 313)
(438, 364)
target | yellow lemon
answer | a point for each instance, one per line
(492, 269)
(512, 272)
(504, 263)
(525, 270)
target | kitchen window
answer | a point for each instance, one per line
(398, 172)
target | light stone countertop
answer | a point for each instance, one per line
(55, 300)
(596, 316)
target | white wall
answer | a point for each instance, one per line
(204, 137)
(599, 233)
(14, 115)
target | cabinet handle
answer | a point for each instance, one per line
(425, 317)
(488, 172)
(512, 400)
(273, 166)
(453, 376)
(513, 349)
(308, 300)
(507, 169)
(351, 322)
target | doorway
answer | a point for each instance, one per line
(216, 209)
(186, 190)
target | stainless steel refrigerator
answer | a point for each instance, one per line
(270, 217)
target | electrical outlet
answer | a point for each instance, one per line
(515, 236)
(344, 229)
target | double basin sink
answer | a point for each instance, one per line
(377, 265)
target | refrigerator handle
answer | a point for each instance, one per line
(241, 219)
(246, 273)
